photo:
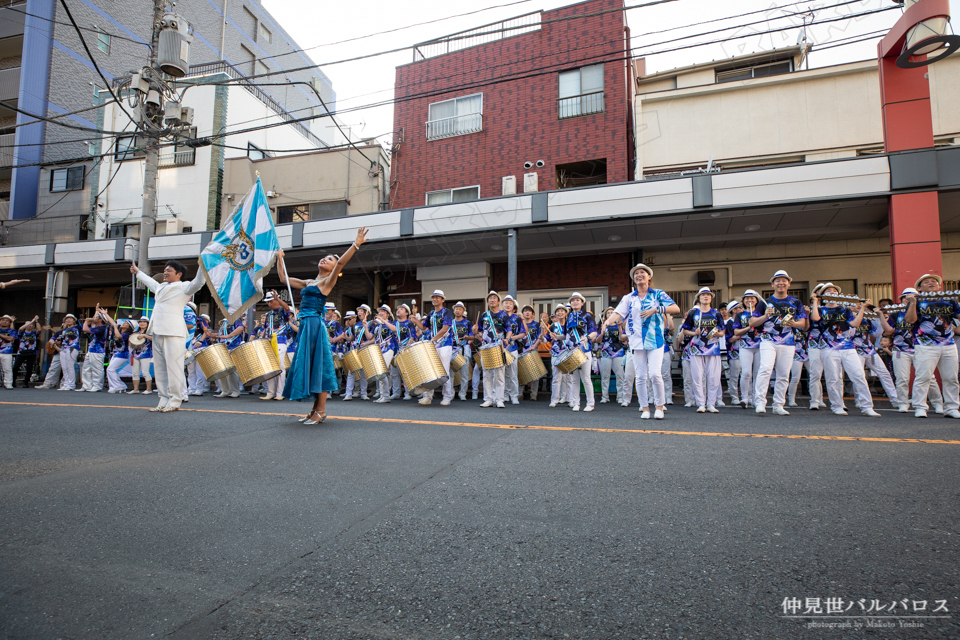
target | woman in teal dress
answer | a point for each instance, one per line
(312, 374)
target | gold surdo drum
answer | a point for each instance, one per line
(351, 360)
(571, 360)
(256, 361)
(373, 363)
(215, 362)
(491, 355)
(420, 366)
(530, 368)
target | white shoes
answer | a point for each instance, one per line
(425, 401)
(146, 393)
(953, 413)
(780, 411)
(920, 413)
(443, 403)
(688, 404)
(133, 392)
(553, 404)
(589, 407)
(870, 413)
(701, 409)
(345, 398)
(646, 414)
(514, 400)
(381, 400)
(761, 410)
(658, 414)
(712, 410)
(604, 400)
(576, 407)
(939, 409)
(842, 412)
(486, 404)
(235, 394)
(278, 398)
(500, 405)
(269, 396)
(904, 408)
(792, 403)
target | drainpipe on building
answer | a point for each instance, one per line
(512, 262)
(223, 32)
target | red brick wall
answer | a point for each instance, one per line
(518, 77)
(569, 274)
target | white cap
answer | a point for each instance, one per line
(493, 293)
(142, 319)
(641, 266)
(830, 285)
(751, 292)
(351, 314)
(460, 304)
(909, 291)
(205, 316)
(510, 298)
(781, 274)
(363, 306)
(404, 306)
(10, 318)
(576, 294)
(733, 304)
(438, 292)
(269, 297)
(191, 305)
(69, 315)
(705, 290)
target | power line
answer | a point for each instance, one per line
(67, 24)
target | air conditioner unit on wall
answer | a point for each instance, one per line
(509, 185)
(173, 225)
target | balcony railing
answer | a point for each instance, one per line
(10, 84)
(6, 149)
(479, 35)
(178, 159)
(455, 126)
(580, 105)
(12, 20)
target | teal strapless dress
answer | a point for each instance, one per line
(312, 370)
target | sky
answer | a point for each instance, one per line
(363, 83)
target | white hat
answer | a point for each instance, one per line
(751, 292)
(386, 307)
(191, 305)
(818, 288)
(576, 294)
(404, 306)
(493, 293)
(909, 291)
(510, 298)
(69, 315)
(10, 318)
(205, 316)
(733, 304)
(351, 314)
(460, 304)
(781, 274)
(142, 319)
(329, 305)
(438, 292)
(363, 306)
(270, 296)
(705, 290)
(641, 266)
(830, 285)
(928, 275)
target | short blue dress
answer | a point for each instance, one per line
(312, 370)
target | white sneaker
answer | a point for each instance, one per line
(920, 413)
(425, 401)
(278, 398)
(761, 410)
(514, 400)
(146, 393)
(814, 406)
(624, 404)
(669, 401)
(720, 403)
(712, 410)
(589, 407)
(604, 400)
(500, 405)
(792, 403)
(843, 412)
(646, 414)
(904, 408)
(381, 401)
(221, 395)
(345, 398)
(953, 413)
(938, 409)
(688, 404)
(701, 409)
(132, 392)
(870, 413)
(780, 411)
(184, 400)
(235, 394)
(443, 403)
(576, 407)
(658, 414)
(553, 404)
(269, 396)
(486, 404)
(407, 396)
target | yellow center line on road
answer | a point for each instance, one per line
(485, 425)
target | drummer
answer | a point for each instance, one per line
(190, 319)
(233, 337)
(516, 330)
(492, 328)
(462, 337)
(438, 322)
(354, 338)
(382, 332)
(581, 329)
(557, 334)
(141, 358)
(276, 323)
(529, 341)
(197, 382)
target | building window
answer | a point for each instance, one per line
(256, 153)
(179, 155)
(70, 179)
(286, 215)
(126, 148)
(96, 96)
(103, 41)
(581, 92)
(759, 71)
(125, 230)
(464, 194)
(265, 35)
(93, 148)
(326, 210)
(455, 117)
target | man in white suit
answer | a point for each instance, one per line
(169, 330)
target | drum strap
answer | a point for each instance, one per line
(493, 326)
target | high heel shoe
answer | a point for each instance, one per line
(321, 415)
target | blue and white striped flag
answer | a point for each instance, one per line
(238, 257)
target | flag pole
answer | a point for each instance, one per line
(289, 290)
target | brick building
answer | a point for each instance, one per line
(474, 107)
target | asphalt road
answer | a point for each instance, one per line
(401, 521)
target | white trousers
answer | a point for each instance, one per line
(795, 370)
(876, 366)
(666, 369)
(749, 368)
(733, 380)
(580, 376)
(477, 374)
(616, 366)
(510, 378)
(113, 375)
(835, 363)
(6, 369)
(943, 359)
(777, 358)
(648, 365)
(141, 367)
(91, 375)
(705, 372)
(360, 380)
(493, 384)
(53, 372)
(902, 362)
(228, 385)
(384, 383)
(275, 385)
(168, 355)
(196, 381)
(815, 374)
(446, 354)
(559, 385)
(686, 374)
(68, 363)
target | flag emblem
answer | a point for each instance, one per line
(239, 253)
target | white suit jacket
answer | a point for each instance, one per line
(171, 297)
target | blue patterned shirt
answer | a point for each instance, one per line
(646, 334)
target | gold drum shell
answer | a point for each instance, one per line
(571, 360)
(491, 356)
(421, 367)
(373, 363)
(215, 362)
(530, 368)
(256, 362)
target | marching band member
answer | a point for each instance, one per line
(8, 337)
(864, 341)
(406, 332)
(197, 383)
(334, 322)
(27, 350)
(233, 335)
(581, 329)
(775, 322)
(70, 347)
(800, 356)
(462, 337)
(643, 311)
(91, 375)
(190, 319)
(903, 354)
(934, 346)
(355, 337)
(733, 352)
(438, 322)
(560, 387)
(749, 346)
(517, 331)
(611, 359)
(666, 369)
(492, 326)
(121, 354)
(530, 340)
(52, 379)
(384, 335)
(141, 358)
(704, 326)
(837, 325)
(277, 323)
(682, 345)
(815, 350)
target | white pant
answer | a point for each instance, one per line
(880, 370)
(196, 381)
(113, 377)
(141, 367)
(229, 384)
(733, 380)
(814, 375)
(705, 370)
(943, 359)
(477, 374)
(275, 385)
(777, 358)
(465, 374)
(6, 369)
(582, 375)
(749, 368)
(648, 365)
(91, 375)
(901, 369)
(446, 354)
(835, 363)
(687, 376)
(560, 385)
(510, 378)
(795, 370)
(606, 366)
(493, 384)
(168, 355)
(384, 383)
(360, 379)
(53, 372)
(666, 369)
(68, 362)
